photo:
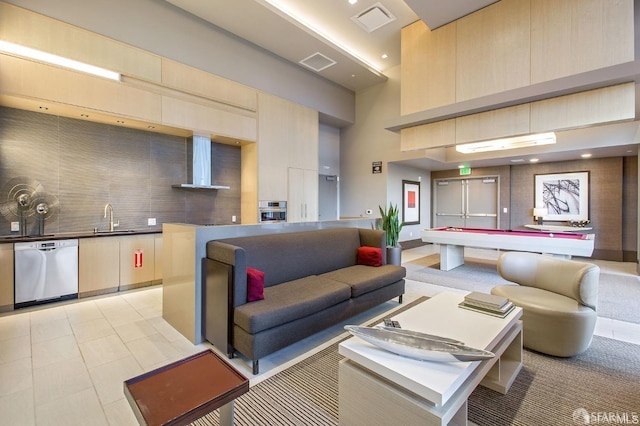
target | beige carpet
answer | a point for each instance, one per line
(547, 391)
(618, 295)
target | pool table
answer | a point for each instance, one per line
(453, 241)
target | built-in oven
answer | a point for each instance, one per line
(272, 211)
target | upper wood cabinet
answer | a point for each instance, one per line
(591, 107)
(49, 35)
(509, 45)
(208, 118)
(28, 79)
(192, 80)
(570, 37)
(428, 72)
(288, 137)
(492, 47)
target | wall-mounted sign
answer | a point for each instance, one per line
(376, 167)
(465, 171)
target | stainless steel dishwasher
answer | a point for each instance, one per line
(45, 271)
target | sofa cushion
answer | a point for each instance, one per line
(363, 279)
(290, 301)
(255, 285)
(369, 256)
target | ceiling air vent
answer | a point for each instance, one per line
(374, 17)
(317, 62)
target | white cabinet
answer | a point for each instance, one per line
(302, 195)
(6, 277)
(98, 265)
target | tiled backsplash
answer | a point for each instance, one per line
(87, 165)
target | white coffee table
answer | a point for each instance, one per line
(379, 387)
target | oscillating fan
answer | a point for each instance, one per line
(45, 207)
(18, 202)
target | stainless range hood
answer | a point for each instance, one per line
(199, 164)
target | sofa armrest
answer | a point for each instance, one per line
(374, 238)
(236, 257)
(577, 280)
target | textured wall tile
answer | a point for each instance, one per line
(86, 165)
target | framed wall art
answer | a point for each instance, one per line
(564, 195)
(410, 202)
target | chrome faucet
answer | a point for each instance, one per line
(109, 209)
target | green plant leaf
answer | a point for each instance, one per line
(391, 224)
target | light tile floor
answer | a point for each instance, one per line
(65, 363)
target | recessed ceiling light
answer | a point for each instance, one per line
(384, 56)
(353, 1)
(461, 166)
(533, 160)
(586, 155)
(517, 160)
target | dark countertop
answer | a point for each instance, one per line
(72, 235)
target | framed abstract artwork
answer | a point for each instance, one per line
(564, 195)
(410, 202)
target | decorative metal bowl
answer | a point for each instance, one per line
(415, 345)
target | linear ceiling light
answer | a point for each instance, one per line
(508, 143)
(49, 58)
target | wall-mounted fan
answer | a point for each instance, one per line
(17, 202)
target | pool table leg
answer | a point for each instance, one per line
(451, 256)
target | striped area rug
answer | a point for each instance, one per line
(548, 390)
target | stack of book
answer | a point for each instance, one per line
(489, 304)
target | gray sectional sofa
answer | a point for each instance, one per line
(312, 280)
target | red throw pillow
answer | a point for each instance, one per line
(370, 256)
(255, 285)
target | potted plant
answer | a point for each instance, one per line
(391, 225)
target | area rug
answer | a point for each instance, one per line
(548, 390)
(618, 295)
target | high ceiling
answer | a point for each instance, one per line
(299, 29)
(356, 36)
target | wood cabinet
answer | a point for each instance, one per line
(157, 257)
(573, 111)
(6, 277)
(98, 265)
(108, 264)
(288, 137)
(510, 45)
(302, 195)
(137, 260)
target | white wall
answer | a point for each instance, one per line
(398, 173)
(367, 141)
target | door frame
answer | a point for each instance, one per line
(434, 193)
